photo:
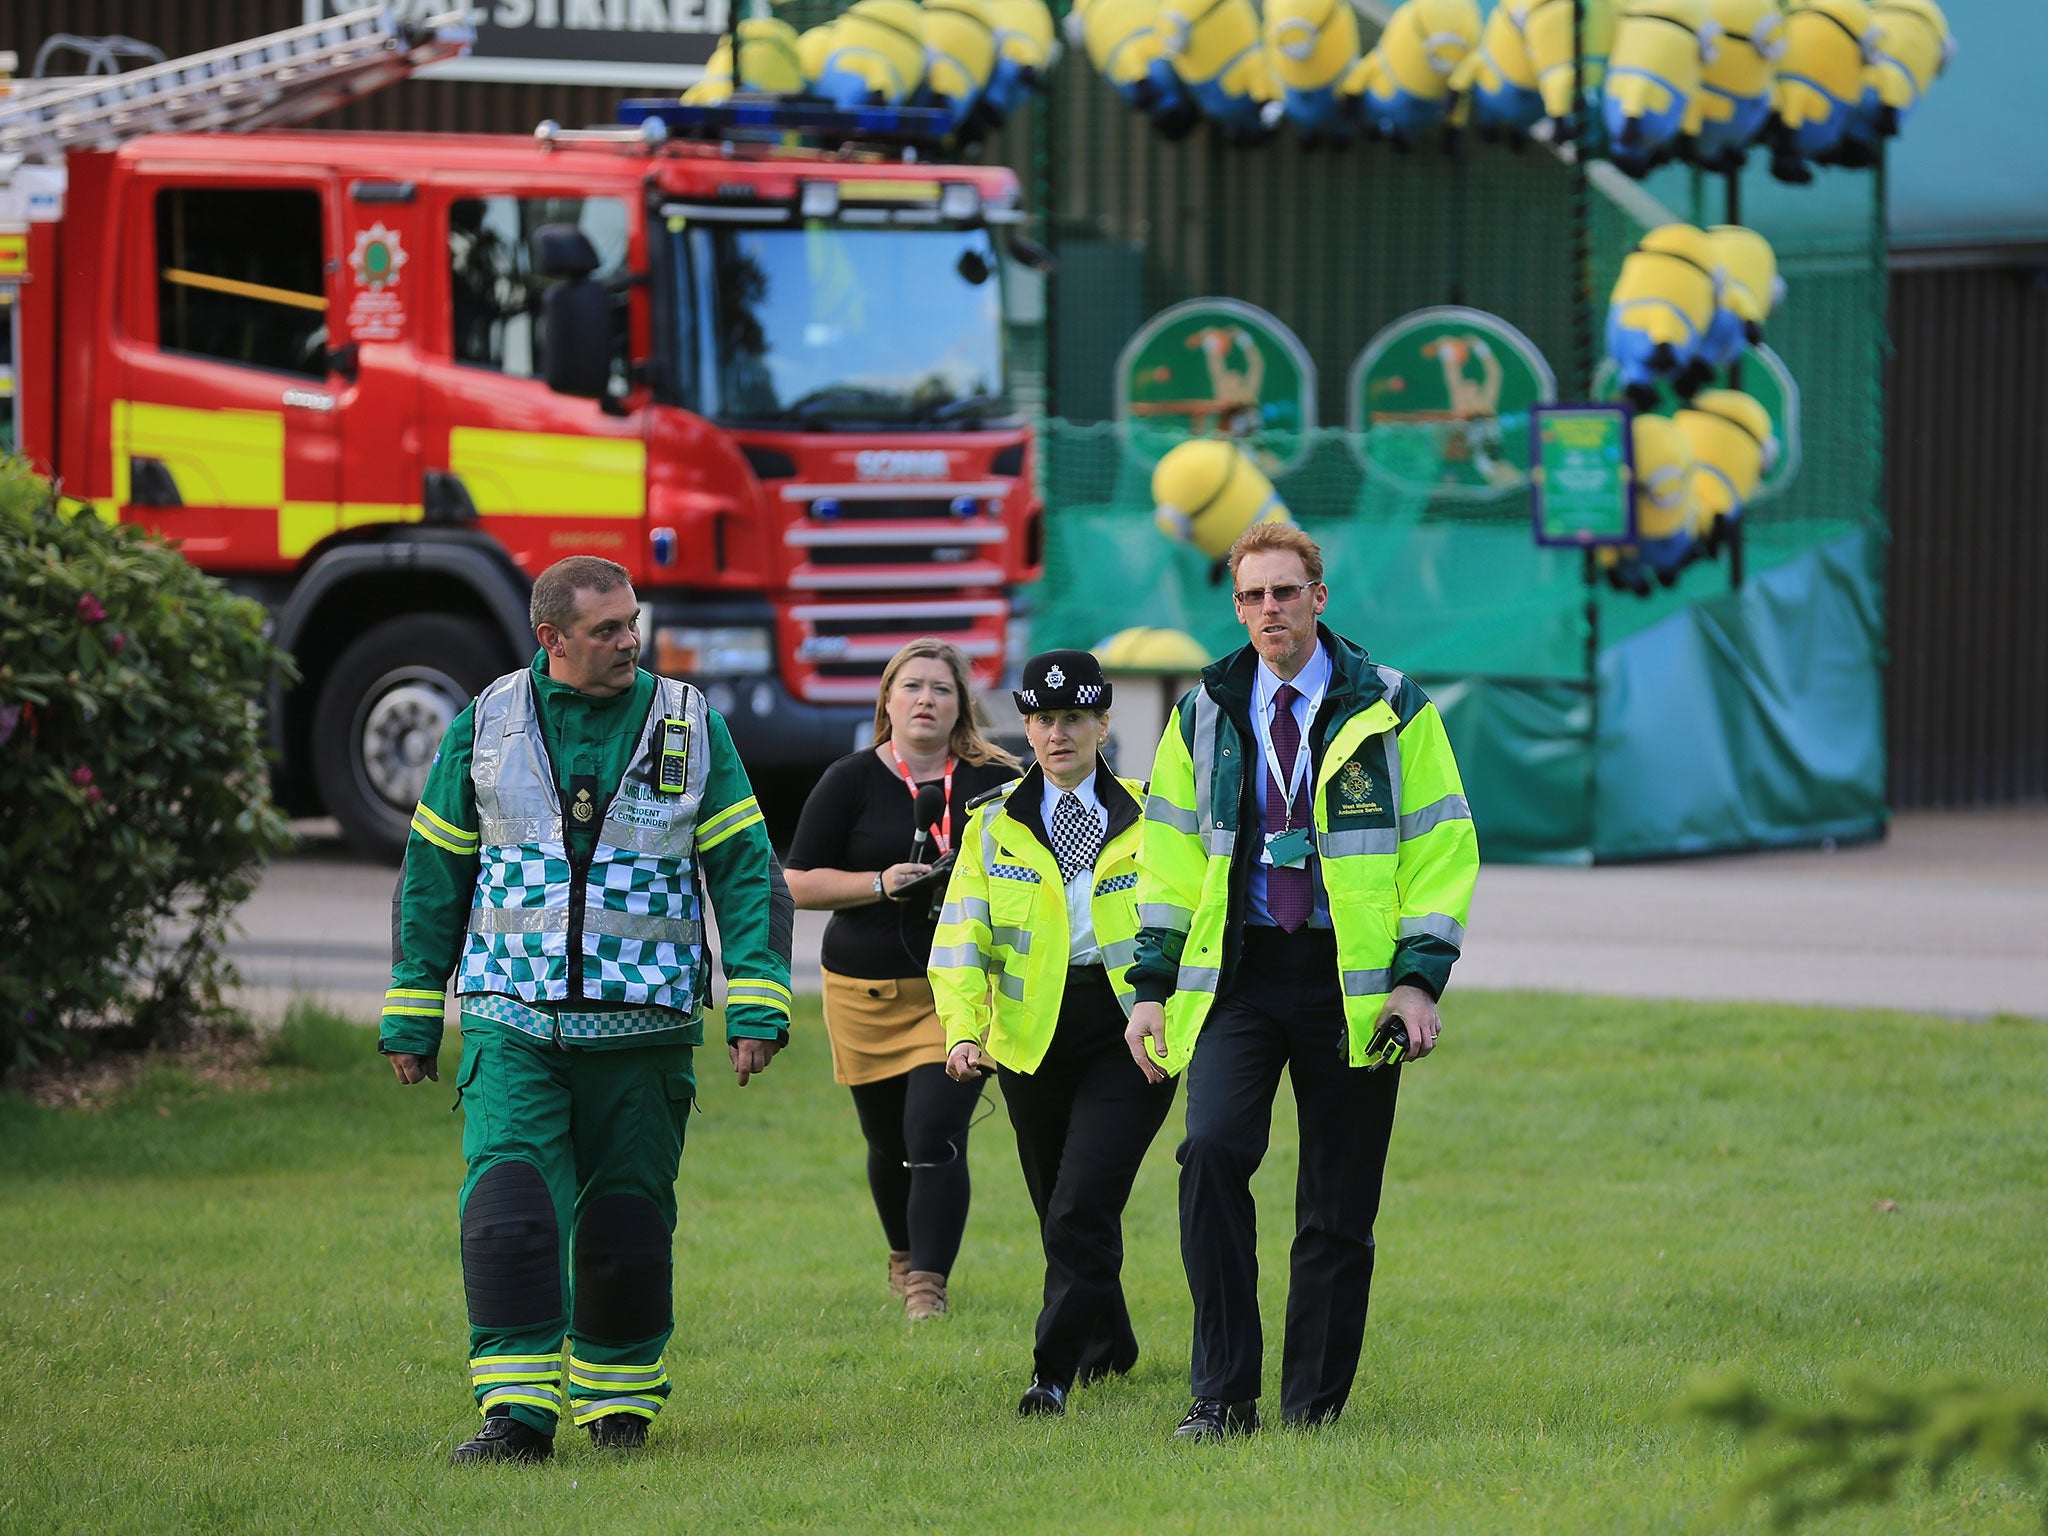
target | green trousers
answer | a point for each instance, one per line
(568, 1221)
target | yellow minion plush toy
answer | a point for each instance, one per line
(1547, 30)
(813, 47)
(1733, 102)
(1122, 41)
(1208, 491)
(1750, 290)
(1652, 78)
(1026, 49)
(1143, 649)
(959, 56)
(769, 62)
(1217, 49)
(1661, 308)
(1828, 46)
(1311, 47)
(1403, 87)
(1913, 48)
(876, 55)
(1733, 448)
(1495, 88)
(1665, 511)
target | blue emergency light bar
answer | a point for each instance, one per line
(774, 118)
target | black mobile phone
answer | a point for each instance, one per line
(1389, 1044)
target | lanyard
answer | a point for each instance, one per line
(1293, 780)
(945, 828)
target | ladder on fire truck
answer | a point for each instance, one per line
(266, 82)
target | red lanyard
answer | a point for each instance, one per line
(945, 828)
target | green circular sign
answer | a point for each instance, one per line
(1217, 368)
(1766, 380)
(1442, 396)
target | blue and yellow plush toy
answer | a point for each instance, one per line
(1750, 290)
(876, 55)
(1653, 77)
(769, 62)
(959, 57)
(1661, 308)
(1495, 90)
(813, 48)
(1913, 49)
(1121, 38)
(1208, 491)
(1733, 448)
(1665, 509)
(1547, 32)
(1217, 49)
(1828, 46)
(1312, 48)
(1025, 52)
(1733, 102)
(1402, 89)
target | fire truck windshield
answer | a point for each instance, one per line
(826, 327)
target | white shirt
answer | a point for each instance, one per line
(1312, 680)
(1081, 946)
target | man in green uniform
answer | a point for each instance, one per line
(560, 856)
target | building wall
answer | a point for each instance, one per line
(1967, 472)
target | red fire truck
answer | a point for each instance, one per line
(379, 381)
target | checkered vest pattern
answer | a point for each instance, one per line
(642, 904)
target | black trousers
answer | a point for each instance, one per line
(1285, 1008)
(1084, 1120)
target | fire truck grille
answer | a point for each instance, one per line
(842, 647)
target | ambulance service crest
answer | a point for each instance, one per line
(1355, 792)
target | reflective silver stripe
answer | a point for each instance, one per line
(1219, 842)
(517, 920)
(1019, 939)
(1167, 814)
(1392, 680)
(1164, 914)
(641, 925)
(1368, 983)
(1340, 845)
(588, 1408)
(1437, 926)
(1011, 987)
(959, 957)
(523, 1392)
(515, 1368)
(1450, 808)
(1207, 713)
(520, 832)
(616, 1375)
(1119, 952)
(967, 909)
(1197, 978)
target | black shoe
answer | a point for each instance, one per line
(619, 1432)
(1213, 1419)
(505, 1439)
(1043, 1397)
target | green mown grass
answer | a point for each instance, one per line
(243, 1311)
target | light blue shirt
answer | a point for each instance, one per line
(1081, 946)
(1311, 680)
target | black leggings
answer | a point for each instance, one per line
(919, 1119)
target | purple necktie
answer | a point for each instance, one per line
(1290, 896)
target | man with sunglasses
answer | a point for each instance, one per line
(1305, 875)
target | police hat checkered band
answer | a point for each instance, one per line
(1062, 680)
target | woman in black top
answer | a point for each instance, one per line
(851, 854)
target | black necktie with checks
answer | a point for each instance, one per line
(1076, 836)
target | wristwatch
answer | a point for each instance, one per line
(878, 884)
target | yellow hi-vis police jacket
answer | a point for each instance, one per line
(1393, 833)
(999, 960)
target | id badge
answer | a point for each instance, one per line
(1289, 850)
(673, 776)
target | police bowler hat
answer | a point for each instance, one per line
(1062, 680)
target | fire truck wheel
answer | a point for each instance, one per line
(381, 716)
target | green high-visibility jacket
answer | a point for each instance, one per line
(999, 960)
(1393, 833)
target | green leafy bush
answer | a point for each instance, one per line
(135, 811)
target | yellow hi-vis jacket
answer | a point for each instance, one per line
(1393, 834)
(999, 960)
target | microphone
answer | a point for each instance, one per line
(931, 805)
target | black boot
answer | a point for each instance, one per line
(504, 1438)
(619, 1432)
(1043, 1397)
(1213, 1419)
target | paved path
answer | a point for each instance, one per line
(1948, 915)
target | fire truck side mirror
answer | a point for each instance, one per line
(577, 317)
(563, 250)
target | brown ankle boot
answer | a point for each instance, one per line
(899, 1271)
(924, 1295)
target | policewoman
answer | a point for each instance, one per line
(575, 818)
(1028, 969)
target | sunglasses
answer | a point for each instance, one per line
(1255, 597)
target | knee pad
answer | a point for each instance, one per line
(511, 1249)
(624, 1267)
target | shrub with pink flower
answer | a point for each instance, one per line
(90, 611)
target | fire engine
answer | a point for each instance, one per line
(379, 381)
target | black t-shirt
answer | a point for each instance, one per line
(860, 817)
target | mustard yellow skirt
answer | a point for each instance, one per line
(881, 1028)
